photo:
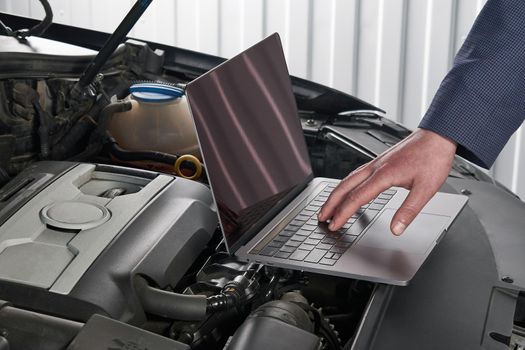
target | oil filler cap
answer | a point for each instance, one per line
(73, 215)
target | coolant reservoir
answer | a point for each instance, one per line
(159, 120)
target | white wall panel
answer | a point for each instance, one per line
(5, 6)
(439, 17)
(296, 43)
(208, 25)
(367, 49)
(105, 14)
(20, 6)
(253, 24)
(389, 57)
(148, 26)
(518, 183)
(321, 41)
(345, 29)
(393, 53)
(188, 27)
(36, 10)
(81, 14)
(231, 29)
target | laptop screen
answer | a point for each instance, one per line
(250, 136)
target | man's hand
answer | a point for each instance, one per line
(419, 163)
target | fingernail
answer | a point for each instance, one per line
(319, 216)
(331, 226)
(399, 228)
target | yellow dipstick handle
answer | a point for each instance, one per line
(193, 160)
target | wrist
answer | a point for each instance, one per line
(439, 140)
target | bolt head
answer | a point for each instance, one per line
(507, 279)
(310, 122)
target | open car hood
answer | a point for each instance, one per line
(310, 96)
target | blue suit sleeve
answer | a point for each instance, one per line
(481, 101)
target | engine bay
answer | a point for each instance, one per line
(157, 264)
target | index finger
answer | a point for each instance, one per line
(345, 186)
(361, 195)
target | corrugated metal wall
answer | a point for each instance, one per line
(392, 53)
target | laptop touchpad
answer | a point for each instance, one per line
(417, 238)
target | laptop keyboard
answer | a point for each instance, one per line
(307, 239)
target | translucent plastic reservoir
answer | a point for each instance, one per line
(159, 120)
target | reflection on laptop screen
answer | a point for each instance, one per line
(250, 135)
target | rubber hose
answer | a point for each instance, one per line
(126, 155)
(62, 149)
(170, 305)
(41, 27)
(109, 110)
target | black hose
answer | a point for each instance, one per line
(122, 154)
(221, 302)
(179, 163)
(41, 27)
(108, 111)
(65, 147)
(170, 305)
(233, 295)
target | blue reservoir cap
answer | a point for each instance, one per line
(155, 92)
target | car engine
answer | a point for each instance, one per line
(111, 246)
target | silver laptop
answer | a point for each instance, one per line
(259, 171)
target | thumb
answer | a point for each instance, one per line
(411, 207)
